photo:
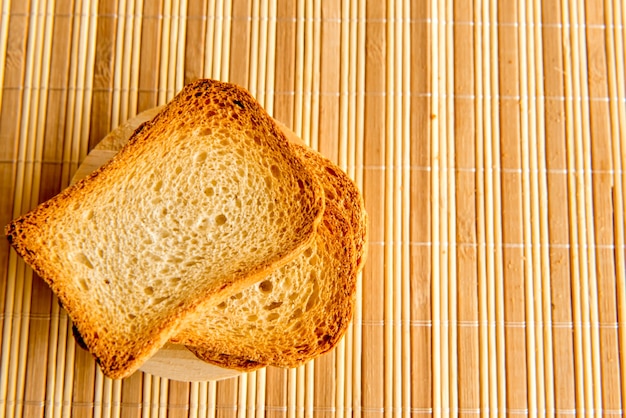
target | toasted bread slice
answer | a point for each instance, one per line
(203, 201)
(295, 314)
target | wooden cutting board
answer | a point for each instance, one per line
(172, 361)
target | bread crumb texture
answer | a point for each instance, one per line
(203, 201)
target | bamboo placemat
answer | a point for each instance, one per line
(488, 137)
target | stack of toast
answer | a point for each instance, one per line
(209, 228)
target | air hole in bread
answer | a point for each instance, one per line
(160, 299)
(313, 297)
(157, 186)
(175, 280)
(273, 316)
(257, 139)
(83, 285)
(206, 131)
(273, 305)
(220, 219)
(209, 191)
(163, 234)
(178, 170)
(308, 252)
(237, 296)
(81, 258)
(266, 286)
(154, 257)
(296, 314)
(148, 290)
(222, 305)
(201, 156)
(319, 331)
(253, 318)
(331, 171)
(275, 171)
(325, 340)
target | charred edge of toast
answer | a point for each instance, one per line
(79, 338)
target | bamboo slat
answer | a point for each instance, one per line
(488, 138)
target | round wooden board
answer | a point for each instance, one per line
(173, 361)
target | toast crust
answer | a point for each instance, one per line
(343, 191)
(121, 345)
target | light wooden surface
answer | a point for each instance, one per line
(488, 137)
